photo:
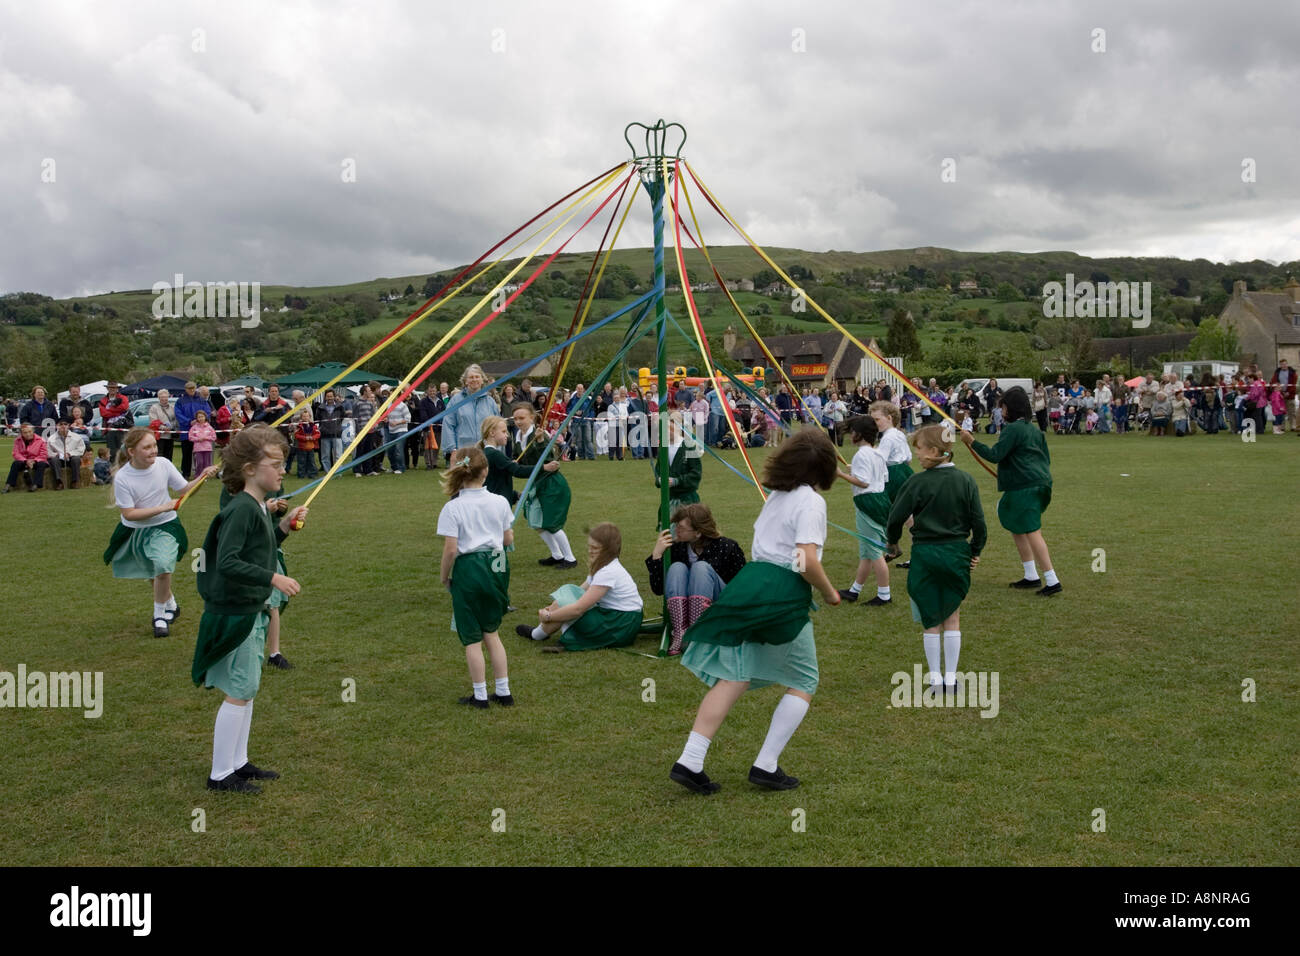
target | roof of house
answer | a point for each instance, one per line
(813, 347)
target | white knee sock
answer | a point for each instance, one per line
(225, 737)
(502, 686)
(539, 633)
(562, 539)
(932, 655)
(697, 748)
(1031, 572)
(480, 690)
(883, 593)
(241, 746)
(785, 721)
(1050, 578)
(951, 651)
(548, 539)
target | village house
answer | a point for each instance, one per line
(1267, 324)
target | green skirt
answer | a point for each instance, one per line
(899, 472)
(599, 627)
(228, 653)
(480, 582)
(938, 580)
(1021, 510)
(763, 604)
(146, 552)
(546, 506)
(278, 598)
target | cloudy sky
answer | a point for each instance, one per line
(215, 139)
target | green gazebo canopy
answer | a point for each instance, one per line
(318, 375)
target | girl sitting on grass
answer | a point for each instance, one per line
(604, 612)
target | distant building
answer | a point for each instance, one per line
(1267, 324)
(818, 359)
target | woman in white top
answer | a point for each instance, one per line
(604, 612)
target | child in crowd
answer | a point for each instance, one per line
(103, 468)
(235, 582)
(869, 476)
(604, 612)
(1277, 405)
(948, 534)
(149, 538)
(306, 436)
(758, 632)
(1091, 421)
(546, 503)
(1025, 480)
(475, 526)
(202, 435)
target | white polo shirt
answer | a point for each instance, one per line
(868, 466)
(147, 488)
(788, 519)
(477, 519)
(622, 594)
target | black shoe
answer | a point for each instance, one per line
(172, 612)
(7, 489)
(566, 565)
(505, 700)
(547, 562)
(1025, 584)
(280, 662)
(1049, 590)
(847, 595)
(160, 628)
(777, 780)
(523, 630)
(692, 781)
(472, 701)
(878, 601)
(233, 784)
(904, 564)
(250, 772)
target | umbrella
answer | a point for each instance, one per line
(1135, 382)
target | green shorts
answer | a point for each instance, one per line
(1021, 511)
(239, 673)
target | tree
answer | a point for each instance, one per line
(765, 278)
(24, 362)
(410, 290)
(83, 348)
(1214, 341)
(901, 339)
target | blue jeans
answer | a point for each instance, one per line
(397, 451)
(331, 450)
(584, 445)
(306, 463)
(698, 580)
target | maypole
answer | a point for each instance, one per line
(653, 164)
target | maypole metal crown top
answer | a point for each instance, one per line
(656, 139)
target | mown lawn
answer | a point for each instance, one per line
(1124, 694)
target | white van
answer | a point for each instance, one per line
(977, 385)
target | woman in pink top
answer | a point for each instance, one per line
(202, 435)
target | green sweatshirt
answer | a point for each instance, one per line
(688, 471)
(502, 472)
(1021, 456)
(239, 558)
(945, 506)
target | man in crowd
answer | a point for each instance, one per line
(115, 414)
(186, 406)
(1285, 378)
(64, 451)
(74, 400)
(582, 427)
(329, 415)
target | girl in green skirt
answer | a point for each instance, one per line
(869, 478)
(948, 534)
(502, 469)
(475, 526)
(149, 538)
(278, 600)
(235, 580)
(546, 505)
(1025, 480)
(758, 631)
(604, 612)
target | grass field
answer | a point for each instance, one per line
(1123, 694)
